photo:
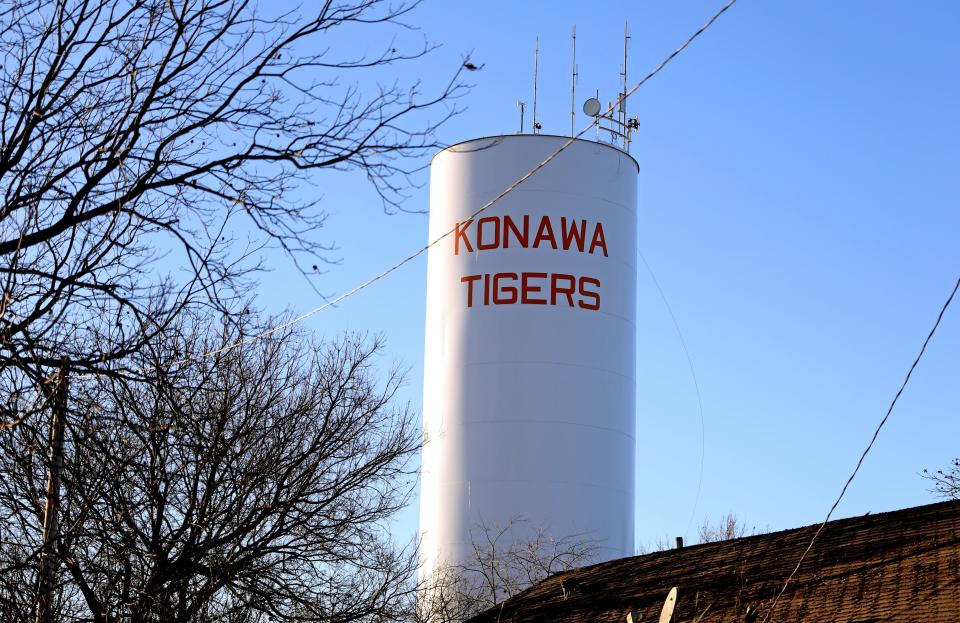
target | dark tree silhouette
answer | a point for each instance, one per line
(945, 482)
(251, 485)
(134, 130)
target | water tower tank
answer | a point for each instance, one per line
(529, 391)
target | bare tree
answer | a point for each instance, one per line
(505, 560)
(138, 130)
(729, 527)
(251, 485)
(946, 484)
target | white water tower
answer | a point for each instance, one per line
(529, 380)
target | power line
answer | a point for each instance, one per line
(696, 387)
(483, 208)
(369, 282)
(876, 432)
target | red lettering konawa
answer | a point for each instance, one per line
(498, 232)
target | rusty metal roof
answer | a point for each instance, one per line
(898, 566)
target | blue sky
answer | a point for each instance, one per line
(798, 208)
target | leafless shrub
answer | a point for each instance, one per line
(729, 527)
(945, 483)
(505, 559)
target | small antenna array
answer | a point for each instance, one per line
(614, 120)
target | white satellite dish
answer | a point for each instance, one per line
(668, 605)
(591, 107)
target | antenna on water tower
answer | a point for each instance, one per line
(536, 63)
(623, 95)
(573, 82)
(620, 126)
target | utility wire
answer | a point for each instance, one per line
(481, 209)
(696, 387)
(369, 282)
(876, 432)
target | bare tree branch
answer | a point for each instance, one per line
(945, 483)
(251, 486)
(139, 136)
(506, 559)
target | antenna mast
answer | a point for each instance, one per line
(620, 125)
(573, 82)
(623, 94)
(536, 62)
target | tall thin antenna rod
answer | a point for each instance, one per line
(596, 126)
(536, 62)
(623, 95)
(573, 83)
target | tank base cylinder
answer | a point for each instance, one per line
(529, 380)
